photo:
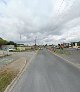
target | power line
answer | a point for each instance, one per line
(60, 6)
(4, 2)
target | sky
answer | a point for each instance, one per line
(47, 21)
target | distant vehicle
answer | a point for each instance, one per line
(40, 48)
(57, 47)
(10, 49)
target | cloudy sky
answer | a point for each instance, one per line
(49, 21)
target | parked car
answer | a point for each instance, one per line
(10, 49)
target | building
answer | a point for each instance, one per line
(7, 47)
(23, 48)
(75, 44)
(66, 45)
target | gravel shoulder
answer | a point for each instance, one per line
(14, 56)
(72, 55)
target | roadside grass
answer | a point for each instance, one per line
(62, 52)
(6, 78)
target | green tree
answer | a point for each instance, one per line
(3, 42)
(12, 43)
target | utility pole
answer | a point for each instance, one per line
(20, 41)
(20, 36)
(35, 42)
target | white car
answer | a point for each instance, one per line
(10, 49)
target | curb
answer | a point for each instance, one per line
(67, 61)
(17, 78)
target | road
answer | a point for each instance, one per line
(49, 73)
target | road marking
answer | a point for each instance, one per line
(14, 82)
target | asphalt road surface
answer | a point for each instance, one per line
(49, 73)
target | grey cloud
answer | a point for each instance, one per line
(32, 19)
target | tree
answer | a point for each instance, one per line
(11, 43)
(3, 42)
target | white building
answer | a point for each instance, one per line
(7, 47)
(75, 44)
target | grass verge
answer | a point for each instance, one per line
(6, 78)
(62, 52)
